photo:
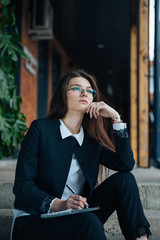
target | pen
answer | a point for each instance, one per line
(71, 189)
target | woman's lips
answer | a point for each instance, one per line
(84, 101)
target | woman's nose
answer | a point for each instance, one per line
(84, 93)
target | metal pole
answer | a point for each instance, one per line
(156, 88)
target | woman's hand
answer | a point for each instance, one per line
(73, 202)
(101, 108)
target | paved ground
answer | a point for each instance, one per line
(147, 175)
(151, 174)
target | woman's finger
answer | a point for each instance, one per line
(98, 107)
(90, 106)
(77, 201)
(92, 109)
(97, 111)
(78, 204)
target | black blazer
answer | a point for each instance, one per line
(44, 162)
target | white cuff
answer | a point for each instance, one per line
(119, 126)
(51, 205)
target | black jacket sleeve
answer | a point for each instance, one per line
(120, 160)
(29, 197)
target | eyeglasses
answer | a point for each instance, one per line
(78, 91)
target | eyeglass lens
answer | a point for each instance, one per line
(80, 91)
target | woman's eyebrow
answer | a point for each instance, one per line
(75, 84)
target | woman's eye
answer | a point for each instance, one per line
(89, 91)
(77, 88)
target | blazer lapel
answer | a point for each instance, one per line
(61, 151)
(86, 156)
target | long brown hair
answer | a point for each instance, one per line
(58, 108)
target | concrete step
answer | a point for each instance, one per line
(113, 231)
(112, 228)
(6, 195)
(149, 194)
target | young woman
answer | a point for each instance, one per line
(62, 153)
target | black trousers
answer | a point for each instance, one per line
(118, 192)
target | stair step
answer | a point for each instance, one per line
(112, 228)
(113, 231)
(6, 195)
(5, 223)
(149, 194)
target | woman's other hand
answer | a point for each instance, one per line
(101, 108)
(73, 202)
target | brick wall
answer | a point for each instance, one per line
(29, 82)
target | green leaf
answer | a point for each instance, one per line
(1, 44)
(5, 2)
(14, 56)
(5, 12)
(3, 50)
(13, 16)
(5, 128)
(12, 121)
(4, 89)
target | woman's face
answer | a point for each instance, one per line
(78, 100)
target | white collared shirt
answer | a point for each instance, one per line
(75, 177)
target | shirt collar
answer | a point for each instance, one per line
(66, 133)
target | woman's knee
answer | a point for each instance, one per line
(126, 183)
(126, 177)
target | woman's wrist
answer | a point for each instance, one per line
(57, 205)
(117, 119)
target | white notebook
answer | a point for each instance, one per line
(68, 212)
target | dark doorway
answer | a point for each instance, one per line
(43, 50)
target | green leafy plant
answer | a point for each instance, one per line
(12, 121)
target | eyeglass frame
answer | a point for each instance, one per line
(82, 91)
